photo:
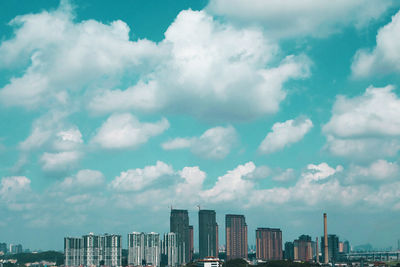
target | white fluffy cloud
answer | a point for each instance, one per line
(125, 131)
(232, 185)
(14, 191)
(215, 143)
(293, 18)
(284, 134)
(369, 122)
(202, 67)
(137, 179)
(206, 68)
(61, 161)
(64, 56)
(59, 141)
(385, 57)
(379, 171)
(285, 176)
(83, 179)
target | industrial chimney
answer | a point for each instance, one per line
(326, 256)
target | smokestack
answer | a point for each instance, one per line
(317, 252)
(326, 258)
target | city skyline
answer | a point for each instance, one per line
(113, 113)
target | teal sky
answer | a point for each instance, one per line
(111, 113)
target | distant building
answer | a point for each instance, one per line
(333, 248)
(303, 248)
(169, 249)
(236, 236)
(209, 262)
(93, 250)
(15, 249)
(208, 230)
(179, 224)
(289, 251)
(191, 242)
(3, 248)
(268, 244)
(144, 249)
(340, 247)
(346, 247)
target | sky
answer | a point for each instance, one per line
(113, 112)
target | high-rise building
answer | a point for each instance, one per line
(3, 248)
(135, 249)
(208, 246)
(303, 249)
(191, 242)
(332, 248)
(144, 249)
(236, 236)
(179, 224)
(15, 249)
(93, 250)
(269, 244)
(152, 249)
(289, 251)
(110, 250)
(340, 247)
(346, 247)
(73, 251)
(169, 249)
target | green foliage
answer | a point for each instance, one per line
(23, 258)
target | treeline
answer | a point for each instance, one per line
(23, 258)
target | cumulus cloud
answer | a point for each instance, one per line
(15, 192)
(215, 143)
(83, 179)
(64, 56)
(285, 175)
(384, 57)
(379, 171)
(137, 179)
(59, 142)
(59, 162)
(296, 18)
(231, 185)
(284, 134)
(260, 172)
(206, 66)
(369, 122)
(126, 131)
(201, 67)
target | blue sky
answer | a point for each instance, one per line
(111, 113)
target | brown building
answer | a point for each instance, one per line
(303, 249)
(269, 244)
(191, 243)
(236, 236)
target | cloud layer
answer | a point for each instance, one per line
(296, 18)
